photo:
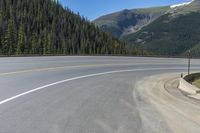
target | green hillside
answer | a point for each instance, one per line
(45, 27)
(128, 21)
(161, 30)
(171, 34)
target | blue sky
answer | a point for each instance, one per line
(92, 9)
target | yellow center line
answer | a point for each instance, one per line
(61, 67)
(55, 68)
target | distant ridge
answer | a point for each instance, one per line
(173, 32)
(129, 21)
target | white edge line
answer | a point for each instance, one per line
(80, 77)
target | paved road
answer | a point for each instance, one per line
(78, 94)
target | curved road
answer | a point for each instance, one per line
(78, 94)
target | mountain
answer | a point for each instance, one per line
(174, 33)
(129, 21)
(45, 27)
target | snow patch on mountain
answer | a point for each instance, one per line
(181, 4)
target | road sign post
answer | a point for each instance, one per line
(189, 57)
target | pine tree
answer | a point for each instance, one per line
(21, 40)
(9, 39)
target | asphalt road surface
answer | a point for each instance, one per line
(79, 94)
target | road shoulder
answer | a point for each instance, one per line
(174, 111)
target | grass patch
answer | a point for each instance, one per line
(196, 82)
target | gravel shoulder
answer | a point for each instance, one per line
(179, 113)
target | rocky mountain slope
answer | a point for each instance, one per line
(173, 32)
(129, 21)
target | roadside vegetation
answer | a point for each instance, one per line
(196, 82)
(194, 79)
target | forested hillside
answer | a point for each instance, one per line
(45, 27)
